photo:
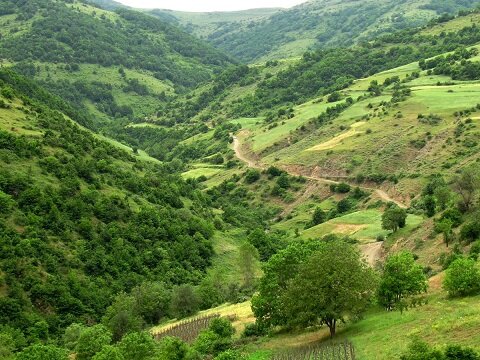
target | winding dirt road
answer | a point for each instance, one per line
(373, 252)
(252, 163)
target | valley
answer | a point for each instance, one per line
(266, 183)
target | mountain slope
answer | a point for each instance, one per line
(206, 24)
(325, 23)
(82, 218)
(104, 60)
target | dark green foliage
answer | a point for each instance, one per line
(334, 97)
(319, 216)
(91, 341)
(401, 279)
(42, 352)
(251, 176)
(109, 352)
(341, 188)
(455, 352)
(55, 38)
(184, 301)
(267, 244)
(92, 208)
(462, 278)
(394, 218)
(283, 181)
(172, 348)
(138, 346)
(331, 284)
(216, 339)
(419, 350)
(344, 205)
(122, 316)
(278, 272)
(273, 171)
(254, 330)
(471, 230)
(340, 26)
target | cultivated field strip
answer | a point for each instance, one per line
(334, 351)
(187, 330)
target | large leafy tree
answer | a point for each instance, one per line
(401, 278)
(394, 218)
(334, 284)
(278, 271)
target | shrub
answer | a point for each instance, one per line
(343, 206)
(470, 231)
(254, 329)
(172, 348)
(109, 352)
(342, 188)
(462, 278)
(91, 341)
(137, 346)
(251, 176)
(42, 352)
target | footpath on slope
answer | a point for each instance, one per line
(373, 252)
(252, 163)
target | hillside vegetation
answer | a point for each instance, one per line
(319, 23)
(152, 186)
(108, 64)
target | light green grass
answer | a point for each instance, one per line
(364, 225)
(202, 171)
(383, 335)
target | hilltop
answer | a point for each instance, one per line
(314, 24)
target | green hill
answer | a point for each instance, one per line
(104, 61)
(204, 25)
(325, 23)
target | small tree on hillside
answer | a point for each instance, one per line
(401, 278)
(462, 278)
(185, 301)
(444, 226)
(247, 258)
(333, 284)
(319, 216)
(394, 218)
(467, 185)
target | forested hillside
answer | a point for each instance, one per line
(104, 61)
(325, 23)
(83, 219)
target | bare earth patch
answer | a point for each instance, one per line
(330, 144)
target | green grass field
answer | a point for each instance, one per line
(364, 225)
(383, 335)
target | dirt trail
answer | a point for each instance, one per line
(374, 251)
(237, 147)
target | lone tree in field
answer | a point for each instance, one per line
(401, 278)
(332, 285)
(313, 283)
(394, 218)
